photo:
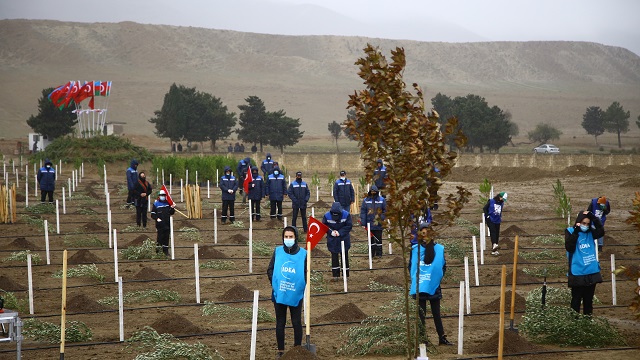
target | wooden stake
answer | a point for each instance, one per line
(63, 311)
(513, 283)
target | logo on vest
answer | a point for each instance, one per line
(287, 269)
(584, 246)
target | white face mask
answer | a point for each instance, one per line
(343, 178)
(48, 166)
(276, 173)
(584, 228)
(163, 198)
(289, 242)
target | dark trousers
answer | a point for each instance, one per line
(583, 294)
(44, 194)
(163, 240)
(141, 215)
(281, 321)
(435, 312)
(376, 242)
(494, 230)
(130, 197)
(276, 204)
(255, 210)
(336, 263)
(228, 206)
(303, 214)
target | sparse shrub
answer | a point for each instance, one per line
(83, 241)
(13, 303)
(485, 191)
(549, 239)
(143, 296)
(167, 347)
(219, 265)
(545, 254)
(229, 312)
(262, 248)
(42, 208)
(42, 331)
(90, 271)
(22, 257)
(145, 251)
(317, 281)
(190, 234)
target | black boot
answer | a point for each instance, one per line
(443, 341)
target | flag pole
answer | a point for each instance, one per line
(307, 294)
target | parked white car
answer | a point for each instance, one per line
(546, 149)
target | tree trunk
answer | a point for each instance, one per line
(596, 136)
(619, 142)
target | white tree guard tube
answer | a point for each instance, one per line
(461, 318)
(173, 255)
(196, 261)
(475, 261)
(46, 240)
(369, 244)
(115, 253)
(344, 265)
(466, 282)
(30, 278)
(613, 279)
(120, 309)
(254, 324)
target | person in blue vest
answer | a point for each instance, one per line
(600, 207)
(256, 193)
(372, 211)
(343, 191)
(493, 214)
(340, 224)
(243, 166)
(584, 268)
(287, 273)
(276, 189)
(379, 175)
(47, 181)
(228, 185)
(161, 213)
(427, 266)
(299, 194)
(267, 166)
(132, 180)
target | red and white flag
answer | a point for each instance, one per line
(316, 232)
(169, 199)
(248, 179)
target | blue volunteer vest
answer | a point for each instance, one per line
(430, 274)
(583, 259)
(288, 279)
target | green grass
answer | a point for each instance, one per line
(190, 234)
(93, 150)
(45, 208)
(262, 248)
(167, 347)
(13, 303)
(90, 271)
(46, 332)
(145, 251)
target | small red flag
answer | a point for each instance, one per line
(248, 179)
(316, 232)
(169, 199)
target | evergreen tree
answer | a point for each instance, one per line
(284, 131)
(51, 121)
(593, 121)
(616, 120)
(254, 122)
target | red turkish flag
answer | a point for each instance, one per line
(169, 199)
(316, 232)
(248, 179)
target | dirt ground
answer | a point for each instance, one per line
(528, 213)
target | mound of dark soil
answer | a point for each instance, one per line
(83, 257)
(396, 261)
(513, 343)
(632, 183)
(609, 240)
(504, 257)
(92, 226)
(274, 224)
(208, 252)
(149, 274)
(138, 240)
(186, 223)
(175, 324)
(346, 312)
(511, 232)
(93, 194)
(495, 304)
(22, 243)
(239, 239)
(522, 278)
(298, 353)
(236, 293)
(388, 280)
(575, 170)
(474, 174)
(8, 284)
(83, 303)
(321, 204)
(20, 198)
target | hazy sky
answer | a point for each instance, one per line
(610, 22)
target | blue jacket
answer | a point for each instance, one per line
(379, 174)
(340, 220)
(276, 187)
(132, 174)
(228, 182)
(430, 274)
(47, 177)
(243, 166)
(343, 193)
(493, 210)
(267, 166)
(370, 208)
(163, 211)
(257, 188)
(428, 218)
(299, 194)
(595, 208)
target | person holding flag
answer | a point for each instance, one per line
(299, 194)
(255, 188)
(229, 186)
(339, 223)
(287, 273)
(161, 212)
(242, 170)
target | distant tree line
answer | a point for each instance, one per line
(613, 120)
(191, 115)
